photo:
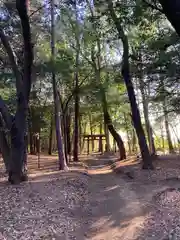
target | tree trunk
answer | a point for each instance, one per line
(147, 161)
(171, 149)
(100, 139)
(18, 129)
(146, 114)
(4, 146)
(107, 145)
(172, 9)
(115, 135)
(91, 130)
(50, 136)
(110, 127)
(127, 133)
(18, 160)
(31, 138)
(84, 132)
(134, 147)
(60, 147)
(76, 122)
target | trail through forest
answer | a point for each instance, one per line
(100, 205)
(124, 209)
(115, 207)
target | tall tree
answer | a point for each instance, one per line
(62, 160)
(147, 161)
(17, 124)
(76, 95)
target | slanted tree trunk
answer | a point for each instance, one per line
(147, 161)
(115, 135)
(108, 122)
(172, 9)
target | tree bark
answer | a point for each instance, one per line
(171, 149)
(50, 136)
(146, 112)
(108, 122)
(127, 133)
(100, 139)
(91, 130)
(60, 147)
(18, 124)
(147, 161)
(31, 137)
(115, 135)
(4, 146)
(76, 121)
(172, 9)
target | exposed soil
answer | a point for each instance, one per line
(145, 206)
(128, 204)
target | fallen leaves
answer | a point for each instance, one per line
(46, 209)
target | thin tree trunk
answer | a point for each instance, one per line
(107, 145)
(76, 96)
(62, 161)
(84, 132)
(76, 120)
(134, 147)
(100, 139)
(50, 136)
(127, 133)
(91, 130)
(146, 115)
(171, 149)
(147, 161)
(30, 133)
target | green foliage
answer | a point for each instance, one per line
(154, 56)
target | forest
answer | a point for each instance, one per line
(85, 81)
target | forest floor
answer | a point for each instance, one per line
(132, 204)
(126, 203)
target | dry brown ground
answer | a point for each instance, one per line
(104, 206)
(146, 207)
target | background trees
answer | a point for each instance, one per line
(116, 68)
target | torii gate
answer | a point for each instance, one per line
(92, 137)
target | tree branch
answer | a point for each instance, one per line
(72, 94)
(21, 6)
(12, 60)
(153, 6)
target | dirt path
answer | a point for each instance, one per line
(118, 206)
(115, 210)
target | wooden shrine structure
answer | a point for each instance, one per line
(91, 138)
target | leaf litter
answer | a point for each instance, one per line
(47, 209)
